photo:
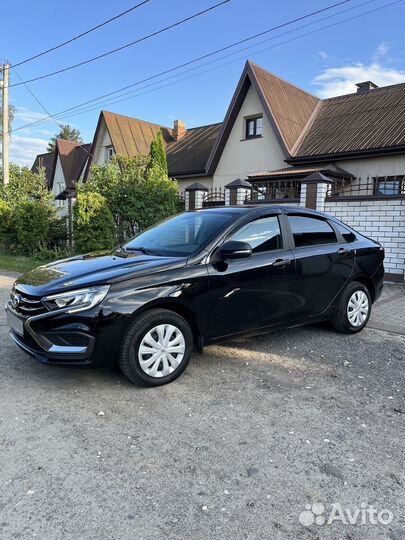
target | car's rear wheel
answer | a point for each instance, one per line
(353, 310)
(156, 348)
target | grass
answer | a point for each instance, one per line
(19, 264)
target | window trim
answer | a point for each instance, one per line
(319, 218)
(253, 119)
(109, 148)
(256, 218)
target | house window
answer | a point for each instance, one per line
(61, 187)
(109, 152)
(389, 185)
(254, 127)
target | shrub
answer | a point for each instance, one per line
(5, 216)
(31, 220)
(93, 224)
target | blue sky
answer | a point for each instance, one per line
(326, 62)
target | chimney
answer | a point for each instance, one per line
(179, 130)
(365, 86)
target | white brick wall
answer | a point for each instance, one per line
(382, 220)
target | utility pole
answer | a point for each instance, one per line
(5, 136)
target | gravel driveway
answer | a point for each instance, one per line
(253, 432)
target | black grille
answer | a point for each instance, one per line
(28, 306)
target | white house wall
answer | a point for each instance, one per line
(103, 140)
(204, 180)
(59, 185)
(245, 156)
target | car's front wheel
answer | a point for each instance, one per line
(156, 348)
(353, 310)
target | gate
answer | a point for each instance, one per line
(215, 197)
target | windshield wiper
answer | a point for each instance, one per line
(138, 248)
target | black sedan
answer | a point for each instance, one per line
(194, 279)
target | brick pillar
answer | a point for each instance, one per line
(313, 191)
(195, 196)
(237, 192)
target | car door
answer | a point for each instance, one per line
(324, 263)
(251, 293)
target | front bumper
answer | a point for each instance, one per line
(89, 338)
(54, 337)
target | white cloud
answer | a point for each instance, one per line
(27, 116)
(23, 150)
(336, 81)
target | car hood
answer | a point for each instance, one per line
(92, 269)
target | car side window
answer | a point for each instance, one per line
(263, 234)
(347, 234)
(311, 231)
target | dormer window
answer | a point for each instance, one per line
(109, 153)
(254, 127)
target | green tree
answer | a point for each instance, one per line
(137, 192)
(25, 185)
(93, 223)
(68, 134)
(158, 153)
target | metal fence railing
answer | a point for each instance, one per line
(371, 186)
(274, 190)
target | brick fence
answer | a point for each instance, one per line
(381, 218)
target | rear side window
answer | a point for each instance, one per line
(262, 234)
(309, 231)
(347, 234)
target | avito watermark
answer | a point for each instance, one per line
(365, 514)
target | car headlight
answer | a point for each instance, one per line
(75, 301)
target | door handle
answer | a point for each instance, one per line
(280, 262)
(343, 251)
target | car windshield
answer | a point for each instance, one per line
(182, 235)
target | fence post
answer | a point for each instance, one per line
(195, 196)
(313, 191)
(237, 192)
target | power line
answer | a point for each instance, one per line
(37, 100)
(48, 113)
(185, 64)
(112, 51)
(126, 12)
(89, 109)
(131, 93)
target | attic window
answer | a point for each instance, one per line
(109, 153)
(254, 127)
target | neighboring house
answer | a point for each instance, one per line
(64, 167)
(275, 135)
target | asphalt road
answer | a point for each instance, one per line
(251, 433)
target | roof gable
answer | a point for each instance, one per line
(73, 157)
(48, 162)
(288, 108)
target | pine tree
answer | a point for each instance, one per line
(68, 134)
(157, 153)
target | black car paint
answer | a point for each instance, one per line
(219, 298)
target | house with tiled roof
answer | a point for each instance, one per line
(274, 136)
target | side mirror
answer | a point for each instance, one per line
(233, 249)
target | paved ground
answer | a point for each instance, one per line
(389, 312)
(251, 433)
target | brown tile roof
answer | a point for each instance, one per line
(290, 106)
(46, 161)
(189, 155)
(131, 136)
(359, 122)
(73, 157)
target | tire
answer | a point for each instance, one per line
(353, 310)
(161, 365)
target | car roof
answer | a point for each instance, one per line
(247, 208)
